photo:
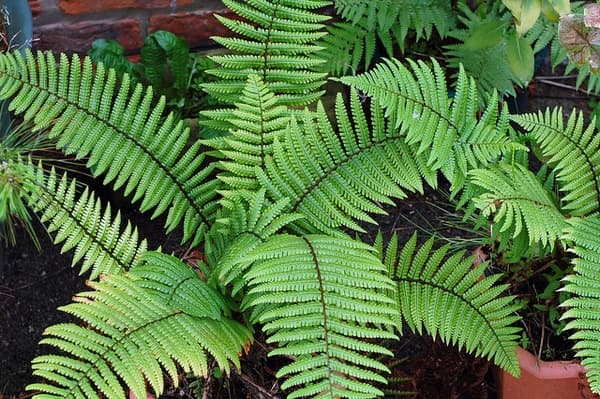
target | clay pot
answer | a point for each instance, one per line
(544, 380)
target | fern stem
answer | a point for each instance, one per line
(324, 309)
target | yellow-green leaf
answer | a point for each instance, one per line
(526, 12)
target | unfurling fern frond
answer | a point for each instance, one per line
(79, 223)
(125, 139)
(573, 152)
(582, 307)
(140, 323)
(257, 120)
(446, 130)
(445, 295)
(276, 42)
(519, 203)
(321, 299)
(334, 177)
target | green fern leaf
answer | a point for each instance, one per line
(445, 129)
(400, 16)
(519, 203)
(335, 178)
(257, 119)
(140, 323)
(573, 152)
(250, 223)
(276, 43)
(445, 295)
(79, 223)
(347, 46)
(125, 139)
(582, 307)
(334, 289)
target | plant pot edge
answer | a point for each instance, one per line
(541, 379)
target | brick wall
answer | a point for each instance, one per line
(72, 25)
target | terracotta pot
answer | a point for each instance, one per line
(544, 380)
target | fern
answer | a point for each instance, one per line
(446, 130)
(482, 51)
(80, 225)
(400, 16)
(333, 289)
(258, 120)
(276, 42)
(347, 47)
(573, 152)
(444, 295)
(336, 179)
(250, 223)
(519, 203)
(126, 140)
(582, 307)
(163, 299)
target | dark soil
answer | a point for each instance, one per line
(34, 283)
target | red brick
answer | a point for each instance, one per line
(78, 37)
(196, 27)
(86, 6)
(35, 7)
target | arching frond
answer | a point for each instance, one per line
(125, 139)
(80, 223)
(519, 203)
(446, 130)
(333, 289)
(582, 307)
(140, 323)
(573, 152)
(275, 40)
(444, 295)
(335, 179)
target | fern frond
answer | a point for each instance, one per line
(140, 323)
(573, 152)
(445, 295)
(400, 16)
(257, 120)
(582, 307)
(445, 129)
(80, 224)
(276, 42)
(519, 203)
(249, 223)
(347, 46)
(334, 290)
(335, 178)
(125, 139)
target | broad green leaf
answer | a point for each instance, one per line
(526, 12)
(486, 35)
(562, 7)
(580, 42)
(520, 58)
(549, 11)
